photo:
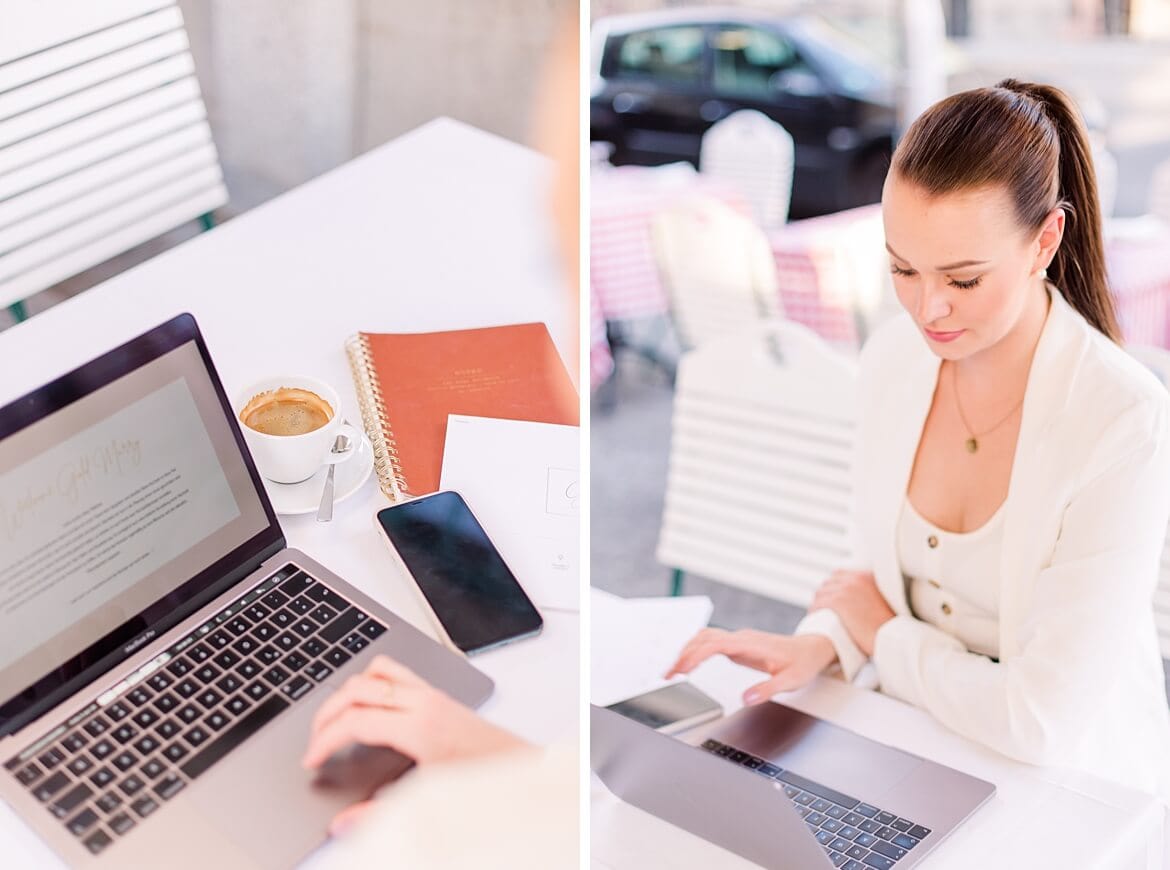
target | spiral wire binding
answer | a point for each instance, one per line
(374, 418)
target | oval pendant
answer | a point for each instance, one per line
(972, 445)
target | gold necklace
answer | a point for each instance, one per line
(973, 437)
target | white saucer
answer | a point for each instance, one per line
(305, 497)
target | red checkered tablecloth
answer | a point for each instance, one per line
(623, 202)
(831, 270)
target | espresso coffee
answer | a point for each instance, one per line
(286, 411)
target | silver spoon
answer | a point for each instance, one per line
(325, 510)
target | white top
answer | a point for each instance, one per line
(952, 577)
(951, 583)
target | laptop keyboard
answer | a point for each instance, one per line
(856, 835)
(113, 764)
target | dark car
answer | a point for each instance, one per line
(661, 79)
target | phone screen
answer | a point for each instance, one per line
(661, 707)
(472, 592)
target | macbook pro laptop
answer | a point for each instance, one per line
(786, 790)
(163, 651)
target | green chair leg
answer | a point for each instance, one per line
(676, 582)
(18, 311)
(207, 221)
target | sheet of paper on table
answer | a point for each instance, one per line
(521, 481)
(634, 640)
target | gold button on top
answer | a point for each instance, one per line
(934, 583)
(932, 542)
(946, 608)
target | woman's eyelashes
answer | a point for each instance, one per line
(966, 285)
(962, 285)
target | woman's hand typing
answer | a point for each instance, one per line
(792, 661)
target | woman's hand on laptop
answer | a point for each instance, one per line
(792, 661)
(390, 705)
(855, 598)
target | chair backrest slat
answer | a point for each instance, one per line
(759, 486)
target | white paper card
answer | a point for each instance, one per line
(522, 482)
(633, 641)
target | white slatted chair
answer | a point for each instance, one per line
(759, 486)
(1158, 203)
(755, 155)
(104, 140)
(717, 269)
(1158, 361)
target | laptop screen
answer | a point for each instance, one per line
(128, 488)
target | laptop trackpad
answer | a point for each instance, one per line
(817, 750)
(263, 799)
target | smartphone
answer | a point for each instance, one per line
(671, 709)
(473, 597)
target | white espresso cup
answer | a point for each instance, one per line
(296, 457)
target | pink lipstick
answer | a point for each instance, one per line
(943, 336)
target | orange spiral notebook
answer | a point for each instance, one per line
(407, 384)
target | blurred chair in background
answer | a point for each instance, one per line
(752, 153)
(104, 140)
(717, 269)
(759, 488)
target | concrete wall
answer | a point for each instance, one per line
(296, 87)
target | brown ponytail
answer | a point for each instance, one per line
(1030, 139)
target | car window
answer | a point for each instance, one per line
(748, 61)
(668, 53)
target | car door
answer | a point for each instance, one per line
(656, 81)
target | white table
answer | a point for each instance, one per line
(443, 228)
(1038, 817)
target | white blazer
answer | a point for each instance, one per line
(1079, 680)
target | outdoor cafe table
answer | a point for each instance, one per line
(1038, 818)
(442, 228)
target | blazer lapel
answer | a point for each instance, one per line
(1030, 487)
(901, 415)
(903, 418)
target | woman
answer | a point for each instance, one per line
(1013, 468)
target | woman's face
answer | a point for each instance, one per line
(962, 266)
